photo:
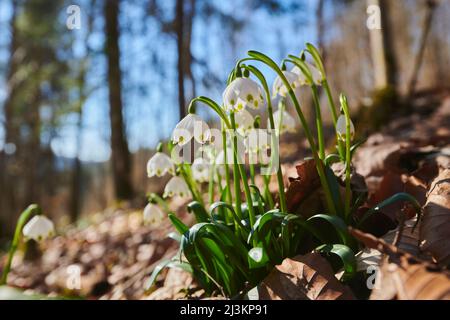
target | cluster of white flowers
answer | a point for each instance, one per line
(241, 94)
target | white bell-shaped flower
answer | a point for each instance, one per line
(38, 228)
(342, 129)
(283, 121)
(278, 85)
(242, 92)
(191, 126)
(315, 74)
(159, 165)
(176, 187)
(153, 214)
(244, 122)
(200, 170)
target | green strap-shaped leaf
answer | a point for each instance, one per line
(199, 211)
(346, 255)
(339, 226)
(178, 224)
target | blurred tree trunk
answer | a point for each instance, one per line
(75, 194)
(189, 16)
(320, 25)
(383, 54)
(77, 170)
(32, 150)
(7, 196)
(430, 10)
(179, 30)
(121, 160)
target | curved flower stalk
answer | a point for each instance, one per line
(347, 137)
(153, 214)
(191, 126)
(304, 68)
(241, 93)
(38, 228)
(177, 187)
(263, 81)
(159, 165)
(254, 55)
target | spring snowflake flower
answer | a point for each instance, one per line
(286, 120)
(315, 73)
(242, 92)
(244, 122)
(191, 126)
(176, 187)
(278, 85)
(153, 214)
(342, 130)
(39, 228)
(200, 170)
(159, 165)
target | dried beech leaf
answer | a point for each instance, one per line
(308, 277)
(435, 227)
(409, 242)
(404, 277)
(303, 194)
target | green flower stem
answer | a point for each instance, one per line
(252, 173)
(24, 217)
(333, 113)
(319, 123)
(267, 193)
(348, 191)
(186, 174)
(319, 164)
(211, 183)
(225, 156)
(319, 64)
(280, 181)
(243, 174)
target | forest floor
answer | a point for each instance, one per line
(116, 252)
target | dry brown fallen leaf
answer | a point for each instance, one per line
(404, 277)
(303, 195)
(304, 277)
(435, 226)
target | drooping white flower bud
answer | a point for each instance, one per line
(153, 214)
(176, 187)
(242, 92)
(342, 130)
(278, 85)
(315, 73)
(159, 165)
(191, 126)
(38, 228)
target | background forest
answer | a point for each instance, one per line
(82, 109)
